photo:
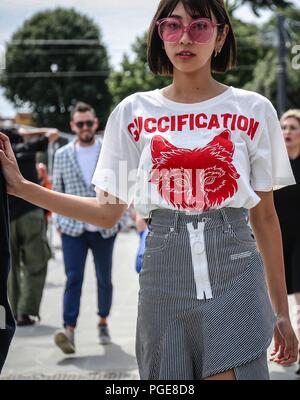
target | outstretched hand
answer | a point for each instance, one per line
(9, 166)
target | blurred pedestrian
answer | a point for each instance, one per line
(29, 245)
(142, 231)
(74, 166)
(45, 181)
(7, 323)
(287, 202)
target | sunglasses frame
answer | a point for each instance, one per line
(83, 123)
(186, 28)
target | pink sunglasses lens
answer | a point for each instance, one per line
(170, 30)
(199, 31)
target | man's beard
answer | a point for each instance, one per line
(87, 139)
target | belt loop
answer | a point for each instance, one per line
(174, 228)
(224, 215)
(149, 220)
(246, 214)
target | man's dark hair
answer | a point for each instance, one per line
(82, 107)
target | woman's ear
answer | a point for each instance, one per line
(222, 36)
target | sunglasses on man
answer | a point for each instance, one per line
(81, 124)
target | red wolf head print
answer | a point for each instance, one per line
(198, 179)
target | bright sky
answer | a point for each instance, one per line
(121, 21)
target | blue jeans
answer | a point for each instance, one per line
(75, 251)
(141, 251)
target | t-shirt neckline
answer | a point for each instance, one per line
(88, 148)
(180, 106)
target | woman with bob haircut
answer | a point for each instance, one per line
(194, 157)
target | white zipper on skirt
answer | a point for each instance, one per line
(199, 259)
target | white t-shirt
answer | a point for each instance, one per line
(193, 157)
(87, 158)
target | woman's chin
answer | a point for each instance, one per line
(189, 67)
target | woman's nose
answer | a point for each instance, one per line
(185, 38)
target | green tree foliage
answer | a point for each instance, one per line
(55, 59)
(250, 49)
(134, 75)
(264, 78)
(258, 5)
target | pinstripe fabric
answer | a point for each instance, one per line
(255, 370)
(181, 337)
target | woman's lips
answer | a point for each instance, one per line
(185, 55)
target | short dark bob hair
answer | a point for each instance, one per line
(158, 60)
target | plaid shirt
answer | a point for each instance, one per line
(68, 178)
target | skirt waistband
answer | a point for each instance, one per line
(212, 218)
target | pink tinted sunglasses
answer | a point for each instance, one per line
(172, 29)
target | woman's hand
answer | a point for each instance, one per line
(285, 343)
(10, 166)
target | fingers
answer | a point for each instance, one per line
(277, 340)
(3, 157)
(2, 138)
(278, 355)
(285, 350)
(6, 146)
(275, 349)
(291, 351)
(286, 355)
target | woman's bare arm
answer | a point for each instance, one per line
(266, 228)
(104, 212)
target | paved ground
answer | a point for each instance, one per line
(33, 354)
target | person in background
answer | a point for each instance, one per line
(287, 203)
(74, 166)
(29, 245)
(7, 323)
(45, 181)
(142, 231)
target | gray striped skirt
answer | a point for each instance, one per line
(203, 305)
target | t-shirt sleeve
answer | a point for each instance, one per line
(118, 163)
(270, 165)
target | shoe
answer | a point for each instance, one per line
(64, 339)
(104, 335)
(24, 320)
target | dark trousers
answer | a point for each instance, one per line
(30, 256)
(5, 312)
(75, 252)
